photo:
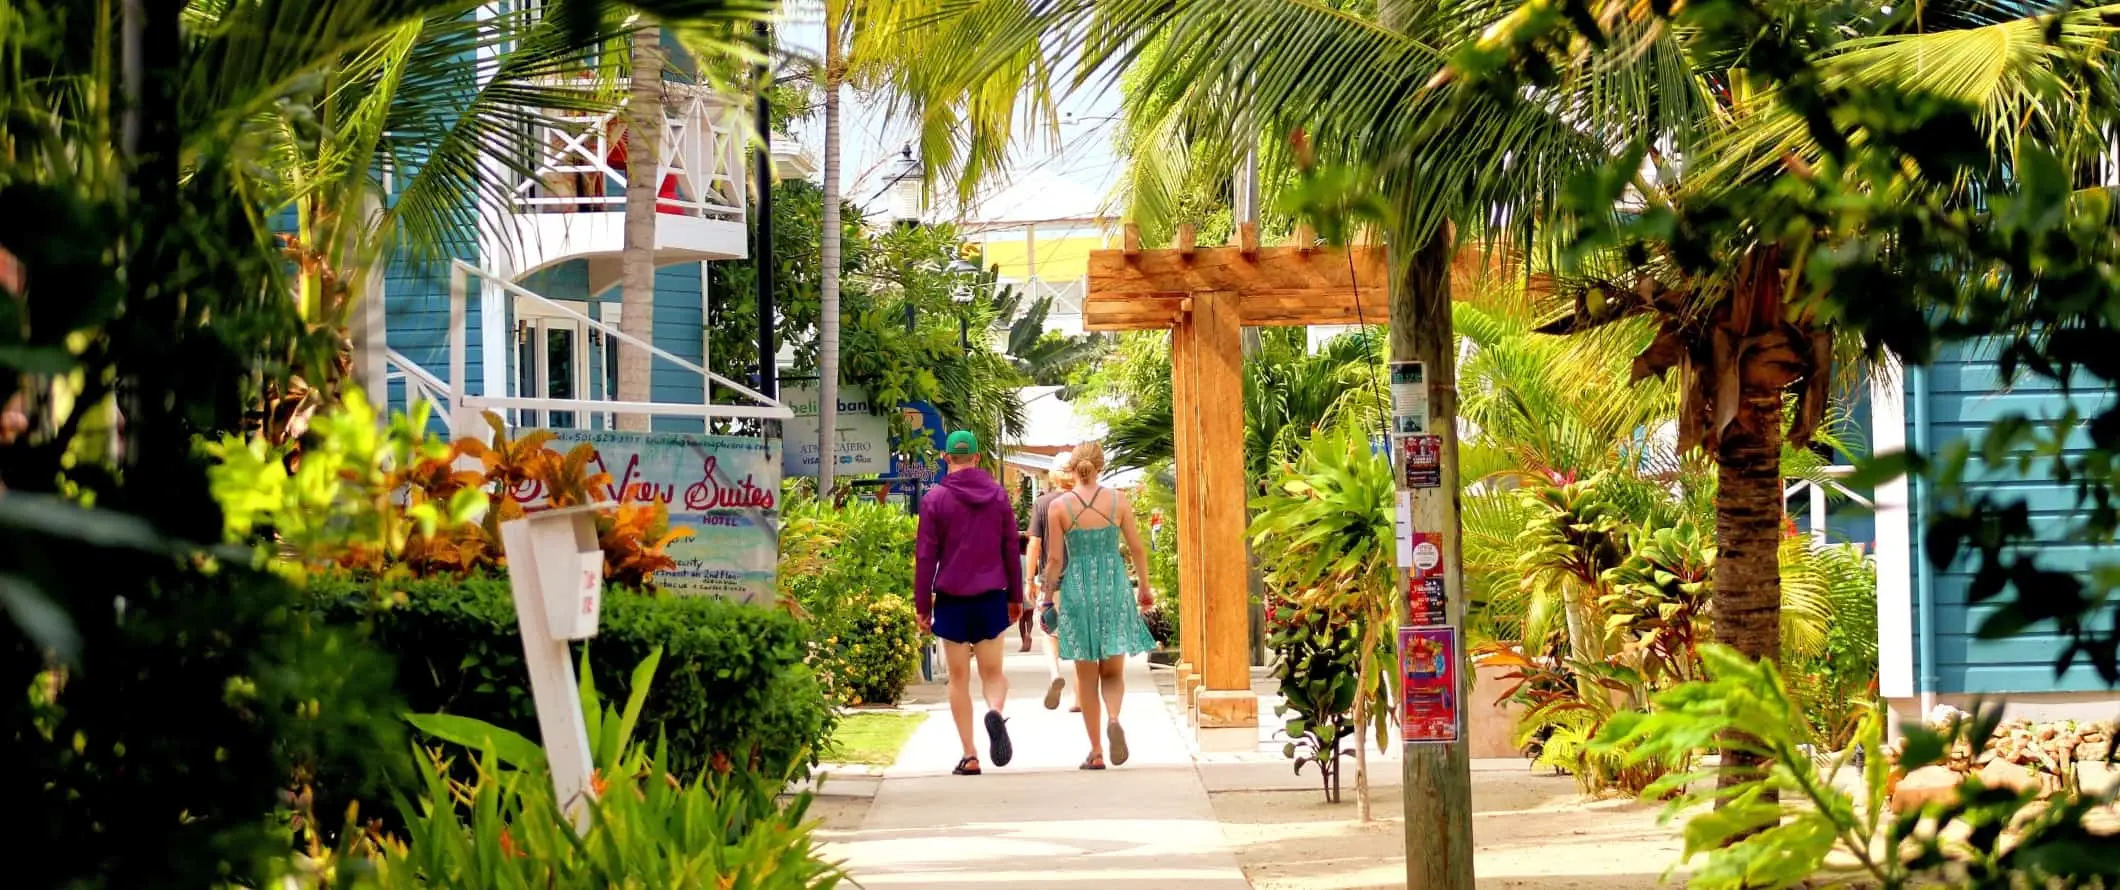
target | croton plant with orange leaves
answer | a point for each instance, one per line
(394, 498)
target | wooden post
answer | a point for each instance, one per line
(1192, 624)
(1437, 776)
(1226, 701)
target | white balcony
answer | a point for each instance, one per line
(574, 205)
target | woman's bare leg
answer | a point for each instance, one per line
(1111, 678)
(1092, 720)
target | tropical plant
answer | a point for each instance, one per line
(1789, 823)
(1575, 535)
(360, 498)
(1659, 600)
(1322, 535)
(850, 571)
(1317, 662)
(1563, 728)
(880, 652)
(502, 826)
(1042, 357)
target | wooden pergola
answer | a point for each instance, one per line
(1206, 297)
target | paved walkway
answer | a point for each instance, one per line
(1039, 820)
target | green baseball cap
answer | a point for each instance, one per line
(962, 442)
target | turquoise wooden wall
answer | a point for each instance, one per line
(1954, 400)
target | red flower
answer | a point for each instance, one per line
(508, 846)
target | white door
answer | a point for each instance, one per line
(551, 362)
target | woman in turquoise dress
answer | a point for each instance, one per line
(1100, 610)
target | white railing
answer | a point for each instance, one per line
(465, 407)
(580, 166)
(418, 383)
(1819, 493)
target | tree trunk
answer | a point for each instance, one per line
(828, 291)
(644, 116)
(1437, 777)
(1748, 512)
(1366, 684)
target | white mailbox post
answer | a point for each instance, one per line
(556, 570)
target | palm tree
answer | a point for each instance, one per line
(636, 318)
(1755, 362)
(965, 130)
(1042, 357)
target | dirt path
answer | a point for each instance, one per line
(1530, 831)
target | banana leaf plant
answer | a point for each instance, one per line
(1322, 534)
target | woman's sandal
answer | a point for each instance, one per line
(1093, 762)
(967, 767)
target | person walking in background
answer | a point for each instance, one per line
(1100, 624)
(1023, 625)
(1060, 478)
(968, 589)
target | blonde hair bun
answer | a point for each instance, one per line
(1087, 461)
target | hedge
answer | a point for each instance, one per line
(733, 686)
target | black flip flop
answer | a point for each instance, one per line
(1093, 762)
(967, 767)
(997, 743)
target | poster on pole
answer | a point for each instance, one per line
(1409, 398)
(726, 489)
(1420, 461)
(861, 443)
(1426, 599)
(1428, 684)
(1402, 530)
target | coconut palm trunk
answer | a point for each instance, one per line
(828, 288)
(637, 260)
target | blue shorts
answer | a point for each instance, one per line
(971, 619)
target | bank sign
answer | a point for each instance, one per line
(862, 440)
(726, 489)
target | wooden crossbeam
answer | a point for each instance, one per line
(1141, 290)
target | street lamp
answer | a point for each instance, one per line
(906, 188)
(962, 295)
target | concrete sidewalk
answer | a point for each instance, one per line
(1040, 820)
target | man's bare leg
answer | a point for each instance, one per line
(959, 658)
(993, 684)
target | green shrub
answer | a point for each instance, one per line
(844, 567)
(735, 688)
(880, 651)
(499, 825)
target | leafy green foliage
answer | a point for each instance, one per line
(362, 495)
(1751, 840)
(735, 691)
(1659, 599)
(1927, 181)
(850, 571)
(1322, 535)
(903, 330)
(880, 651)
(1317, 662)
(502, 827)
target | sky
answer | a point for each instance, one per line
(1075, 178)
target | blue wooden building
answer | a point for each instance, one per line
(525, 320)
(1928, 652)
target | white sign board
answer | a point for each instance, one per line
(863, 439)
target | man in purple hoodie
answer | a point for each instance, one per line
(968, 588)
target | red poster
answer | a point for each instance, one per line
(1428, 684)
